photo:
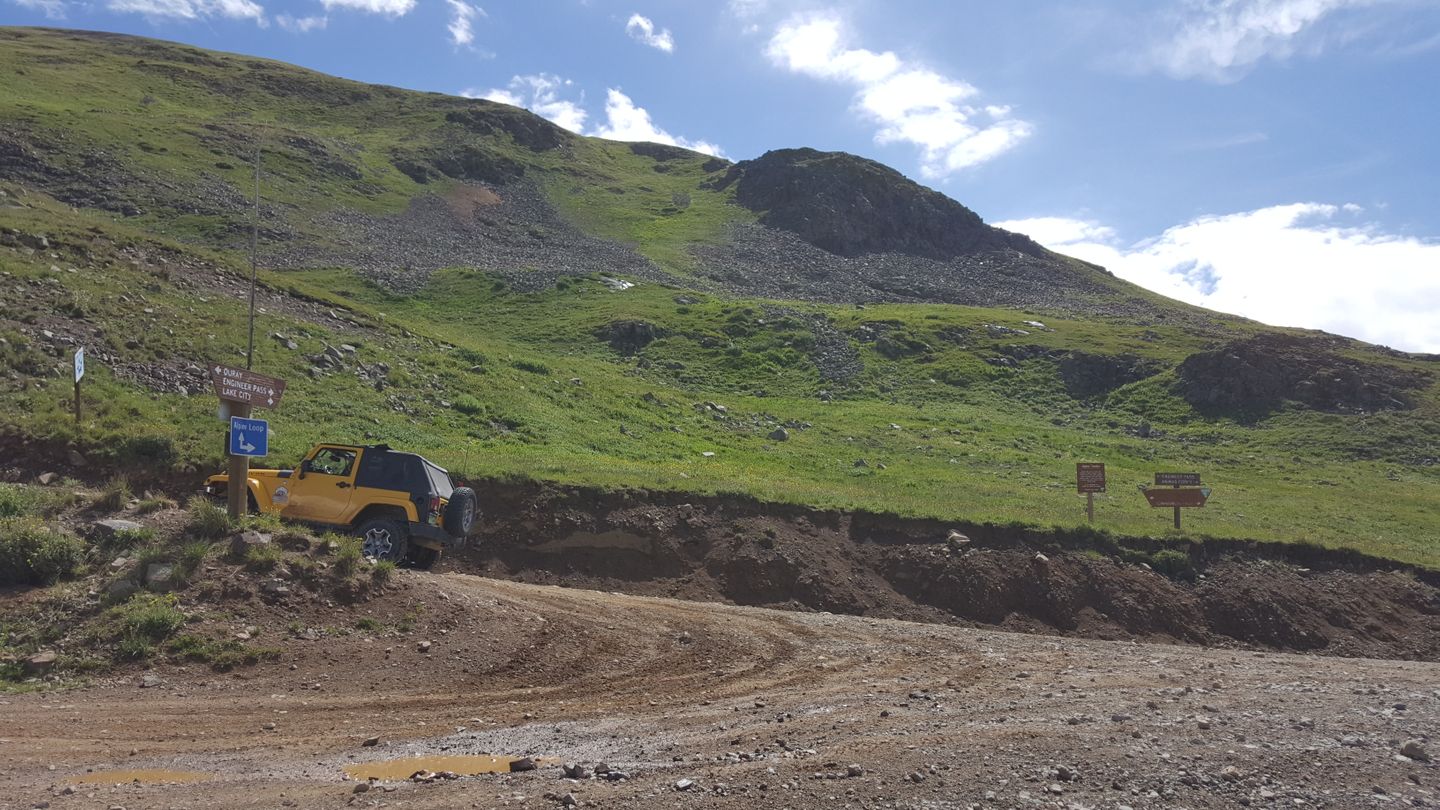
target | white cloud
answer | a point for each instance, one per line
(54, 9)
(1219, 40)
(909, 103)
(191, 9)
(540, 94)
(301, 25)
(462, 15)
(642, 29)
(390, 8)
(626, 122)
(1289, 265)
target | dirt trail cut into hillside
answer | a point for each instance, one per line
(733, 550)
(714, 706)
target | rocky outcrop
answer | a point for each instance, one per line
(629, 337)
(851, 206)
(1257, 375)
(526, 128)
(1088, 375)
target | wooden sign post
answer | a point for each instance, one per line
(1185, 492)
(1089, 479)
(79, 374)
(243, 389)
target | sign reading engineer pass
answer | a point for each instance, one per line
(239, 385)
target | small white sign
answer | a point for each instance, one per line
(79, 363)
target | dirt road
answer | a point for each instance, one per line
(707, 705)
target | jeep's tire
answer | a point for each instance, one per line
(461, 513)
(423, 558)
(383, 539)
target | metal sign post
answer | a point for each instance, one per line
(79, 373)
(1089, 479)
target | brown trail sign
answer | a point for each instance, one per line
(1193, 495)
(1089, 479)
(1176, 497)
(247, 387)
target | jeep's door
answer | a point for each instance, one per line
(320, 490)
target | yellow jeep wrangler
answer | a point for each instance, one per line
(402, 506)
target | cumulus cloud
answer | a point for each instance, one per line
(462, 16)
(642, 29)
(541, 94)
(389, 8)
(624, 121)
(909, 103)
(191, 9)
(301, 25)
(1305, 264)
(1220, 40)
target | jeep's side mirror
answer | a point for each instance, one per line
(305, 467)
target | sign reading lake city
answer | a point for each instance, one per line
(1089, 478)
(239, 385)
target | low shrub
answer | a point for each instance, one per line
(1173, 564)
(348, 557)
(208, 519)
(32, 554)
(382, 572)
(115, 495)
(154, 503)
(152, 617)
(468, 405)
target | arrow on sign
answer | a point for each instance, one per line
(246, 445)
(1177, 497)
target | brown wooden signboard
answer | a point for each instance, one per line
(247, 387)
(1176, 497)
(1089, 478)
(1173, 479)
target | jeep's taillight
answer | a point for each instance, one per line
(435, 504)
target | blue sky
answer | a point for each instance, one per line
(1274, 158)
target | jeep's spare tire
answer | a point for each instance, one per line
(461, 512)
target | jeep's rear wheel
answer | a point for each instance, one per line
(383, 539)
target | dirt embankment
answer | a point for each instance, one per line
(1088, 585)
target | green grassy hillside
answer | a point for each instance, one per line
(123, 229)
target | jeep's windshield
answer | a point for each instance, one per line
(439, 481)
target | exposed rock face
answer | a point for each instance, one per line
(1257, 375)
(851, 206)
(1088, 375)
(528, 129)
(629, 337)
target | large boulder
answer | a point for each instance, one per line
(629, 337)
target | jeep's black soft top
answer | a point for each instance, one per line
(383, 468)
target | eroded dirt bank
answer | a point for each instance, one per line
(1261, 596)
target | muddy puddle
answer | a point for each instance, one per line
(399, 770)
(147, 777)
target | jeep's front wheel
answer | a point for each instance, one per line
(383, 539)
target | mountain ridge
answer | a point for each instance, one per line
(616, 315)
